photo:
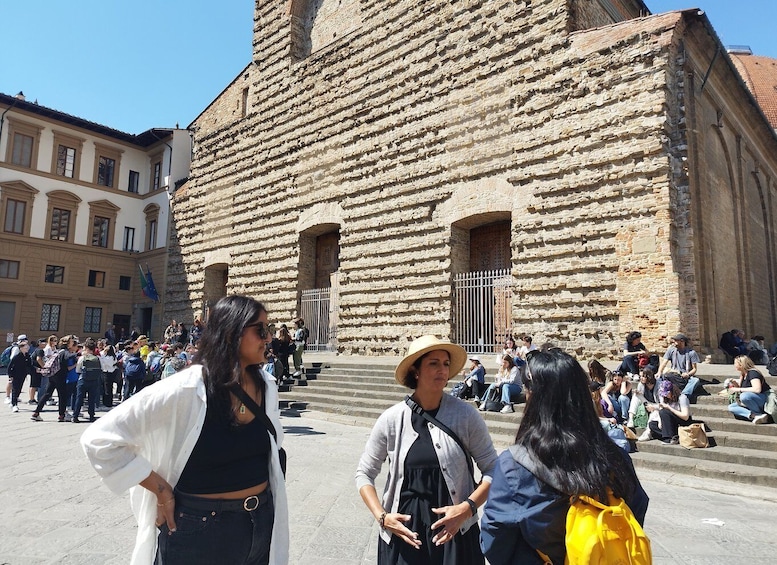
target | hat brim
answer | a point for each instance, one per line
(457, 354)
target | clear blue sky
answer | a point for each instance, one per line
(137, 64)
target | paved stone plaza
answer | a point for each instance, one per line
(53, 509)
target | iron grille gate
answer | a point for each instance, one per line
(316, 307)
(482, 309)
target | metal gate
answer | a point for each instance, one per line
(482, 309)
(319, 310)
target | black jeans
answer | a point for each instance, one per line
(55, 383)
(206, 533)
(669, 424)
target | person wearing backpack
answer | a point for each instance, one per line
(56, 366)
(562, 455)
(134, 370)
(89, 372)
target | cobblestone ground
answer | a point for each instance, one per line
(53, 509)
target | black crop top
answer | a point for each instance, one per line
(227, 458)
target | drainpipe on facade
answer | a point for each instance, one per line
(2, 116)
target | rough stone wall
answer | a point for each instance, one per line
(436, 117)
(588, 14)
(422, 99)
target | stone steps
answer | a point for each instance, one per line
(742, 452)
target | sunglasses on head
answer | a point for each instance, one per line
(262, 331)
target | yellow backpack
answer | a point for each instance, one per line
(596, 533)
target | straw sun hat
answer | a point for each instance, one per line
(425, 344)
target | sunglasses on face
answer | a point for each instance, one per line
(262, 330)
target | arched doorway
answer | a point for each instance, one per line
(483, 287)
(318, 280)
(215, 287)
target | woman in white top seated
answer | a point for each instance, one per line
(508, 381)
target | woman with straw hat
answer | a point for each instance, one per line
(428, 513)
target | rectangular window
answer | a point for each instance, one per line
(129, 239)
(22, 150)
(7, 314)
(134, 181)
(60, 224)
(9, 269)
(124, 283)
(55, 274)
(66, 161)
(105, 168)
(97, 279)
(92, 320)
(100, 231)
(49, 317)
(14, 216)
(152, 234)
(157, 176)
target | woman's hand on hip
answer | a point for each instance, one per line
(452, 519)
(165, 513)
(395, 524)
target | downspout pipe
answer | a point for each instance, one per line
(2, 116)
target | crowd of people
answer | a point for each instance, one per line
(197, 440)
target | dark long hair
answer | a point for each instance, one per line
(560, 429)
(219, 349)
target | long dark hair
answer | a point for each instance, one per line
(219, 349)
(560, 429)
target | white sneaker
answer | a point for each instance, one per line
(761, 419)
(507, 409)
(482, 407)
(645, 436)
(297, 373)
(630, 423)
(7, 400)
(15, 409)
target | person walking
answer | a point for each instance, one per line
(68, 347)
(200, 452)
(89, 371)
(18, 369)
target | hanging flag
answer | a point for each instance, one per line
(147, 284)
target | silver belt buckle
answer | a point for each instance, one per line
(247, 502)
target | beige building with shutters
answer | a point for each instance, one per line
(83, 206)
(570, 169)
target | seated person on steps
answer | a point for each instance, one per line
(753, 392)
(674, 411)
(679, 365)
(508, 382)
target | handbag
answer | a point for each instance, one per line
(770, 407)
(693, 436)
(641, 417)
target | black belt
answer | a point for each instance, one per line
(222, 504)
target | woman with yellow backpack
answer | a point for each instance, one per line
(563, 474)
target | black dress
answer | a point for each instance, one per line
(424, 488)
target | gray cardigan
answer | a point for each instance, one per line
(393, 434)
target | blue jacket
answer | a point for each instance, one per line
(523, 513)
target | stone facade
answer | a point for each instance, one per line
(630, 206)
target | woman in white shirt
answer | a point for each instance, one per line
(508, 381)
(200, 452)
